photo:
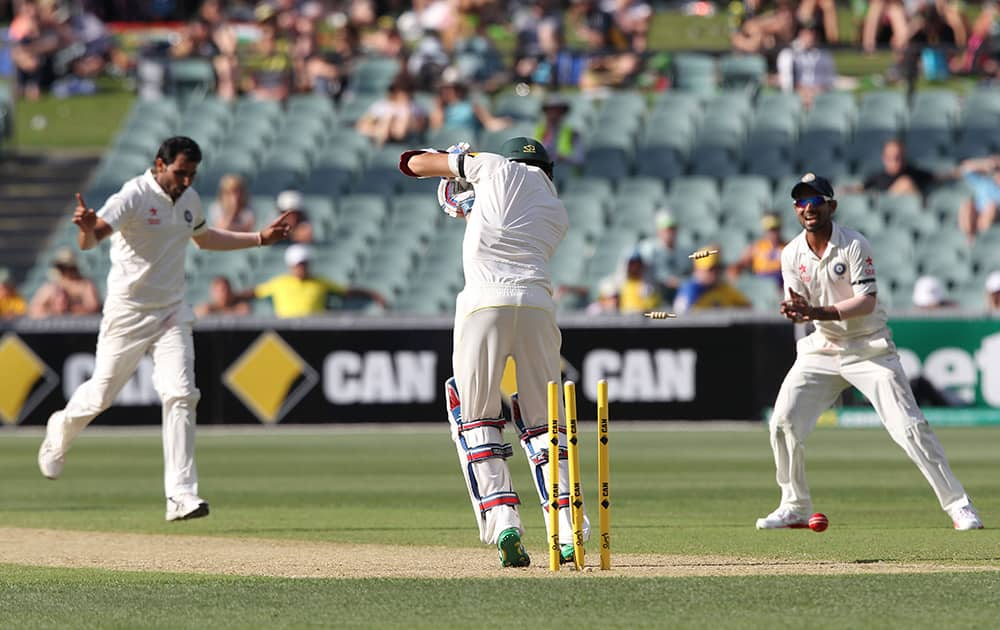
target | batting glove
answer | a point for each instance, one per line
(456, 197)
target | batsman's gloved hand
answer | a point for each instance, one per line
(456, 197)
(459, 147)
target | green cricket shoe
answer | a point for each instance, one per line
(511, 549)
(567, 554)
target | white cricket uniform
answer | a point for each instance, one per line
(145, 312)
(506, 310)
(858, 351)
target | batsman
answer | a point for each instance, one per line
(514, 223)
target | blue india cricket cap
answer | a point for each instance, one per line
(812, 184)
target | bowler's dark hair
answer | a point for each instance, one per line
(178, 145)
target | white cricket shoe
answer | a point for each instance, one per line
(783, 518)
(51, 457)
(186, 506)
(966, 518)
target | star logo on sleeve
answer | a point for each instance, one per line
(869, 266)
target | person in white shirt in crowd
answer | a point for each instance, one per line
(804, 68)
(830, 280)
(929, 294)
(993, 292)
(150, 221)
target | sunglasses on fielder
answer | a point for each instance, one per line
(810, 201)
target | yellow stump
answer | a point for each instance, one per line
(603, 476)
(575, 484)
(553, 400)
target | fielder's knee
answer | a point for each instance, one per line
(189, 397)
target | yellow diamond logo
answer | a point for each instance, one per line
(270, 378)
(27, 379)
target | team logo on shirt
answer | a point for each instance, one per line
(869, 266)
(188, 216)
(153, 219)
(804, 274)
(839, 268)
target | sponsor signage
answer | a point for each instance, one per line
(291, 372)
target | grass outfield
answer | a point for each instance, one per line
(688, 499)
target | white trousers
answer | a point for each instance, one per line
(822, 370)
(126, 335)
(484, 338)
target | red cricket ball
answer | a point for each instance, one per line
(818, 522)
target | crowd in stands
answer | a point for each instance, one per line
(452, 66)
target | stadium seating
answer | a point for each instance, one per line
(718, 149)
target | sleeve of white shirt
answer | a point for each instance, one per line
(861, 262)
(790, 275)
(786, 69)
(120, 207)
(198, 224)
(474, 167)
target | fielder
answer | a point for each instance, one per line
(150, 221)
(514, 223)
(829, 277)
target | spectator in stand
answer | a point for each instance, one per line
(198, 42)
(560, 137)
(769, 32)
(385, 40)
(902, 22)
(611, 59)
(231, 210)
(667, 265)
(67, 292)
(823, 13)
(35, 42)
(636, 294)
(707, 288)
(301, 294)
(763, 256)
(91, 50)
(478, 60)
(427, 61)
(395, 118)
(550, 63)
(597, 27)
(929, 294)
(993, 292)
(266, 72)
(607, 299)
(55, 303)
(222, 300)
(886, 22)
(804, 68)
(300, 229)
(978, 213)
(431, 16)
(633, 19)
(981, 54)
(12, 304)
(898, 176)
(453, 109)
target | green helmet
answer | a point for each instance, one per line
(524, 149)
